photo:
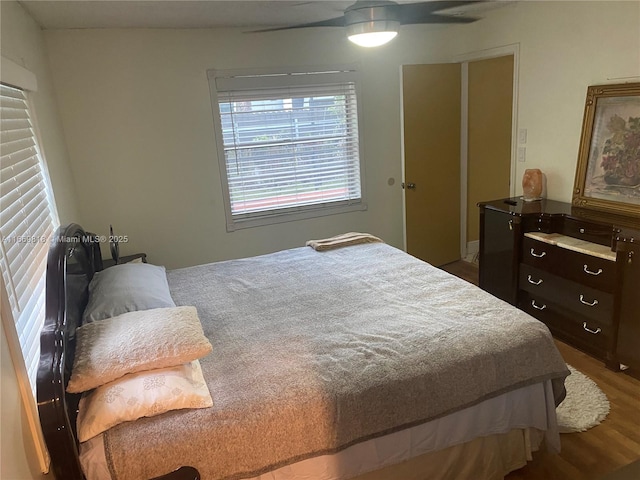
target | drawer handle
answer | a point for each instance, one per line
(537, 307)
(532, 282)
(586, 270)
(538, 255)
(595, 332)
(592, 304)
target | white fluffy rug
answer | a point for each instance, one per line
(585, 405)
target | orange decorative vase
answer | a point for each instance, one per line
(532, 185)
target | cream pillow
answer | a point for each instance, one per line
(134, 342)
(142, 394)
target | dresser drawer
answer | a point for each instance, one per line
(592, 232)
(589, 335)
(587, 302)
(594, 272)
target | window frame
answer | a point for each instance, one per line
(273, 77)
(16, 76)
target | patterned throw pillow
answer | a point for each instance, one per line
(135, 342)
(142, 394)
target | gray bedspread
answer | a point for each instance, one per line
(314, 351)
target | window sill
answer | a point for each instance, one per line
(274, 218)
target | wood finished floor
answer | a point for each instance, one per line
(601, 450)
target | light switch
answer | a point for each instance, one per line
(522, 154)
(522, 137)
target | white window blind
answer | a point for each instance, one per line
(26, 223)
(290, 142)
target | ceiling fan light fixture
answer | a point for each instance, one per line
(374, 33)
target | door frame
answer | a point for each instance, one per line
(464, 59)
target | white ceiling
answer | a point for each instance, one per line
(60, 14)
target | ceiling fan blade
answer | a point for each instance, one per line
(406, 13)
(442, 19)
(332, 22)
(424, 12)
(446, 5)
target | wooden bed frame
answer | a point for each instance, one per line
(74, 257)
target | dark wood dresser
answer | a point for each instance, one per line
(576, 270)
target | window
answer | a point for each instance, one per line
(27, 222)
(288, 144)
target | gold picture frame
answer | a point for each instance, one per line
(608, 170)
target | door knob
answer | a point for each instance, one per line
(410, 185)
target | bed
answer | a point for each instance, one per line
(357, 362)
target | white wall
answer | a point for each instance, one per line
(136, 108)
(19, 460)
(22, 42)
(136, 111)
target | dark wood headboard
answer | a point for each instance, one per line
(73, 260)
(74, 257)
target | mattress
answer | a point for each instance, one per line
(530, 407)
(315, 353)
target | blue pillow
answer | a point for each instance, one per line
(127, 288)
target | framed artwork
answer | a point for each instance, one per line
(608, 171)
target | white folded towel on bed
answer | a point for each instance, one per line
(343, 240)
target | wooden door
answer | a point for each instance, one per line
(490, 87)
(431, 114)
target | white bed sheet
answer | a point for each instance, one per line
(527, 407)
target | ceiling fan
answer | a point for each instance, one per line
(371, 23)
